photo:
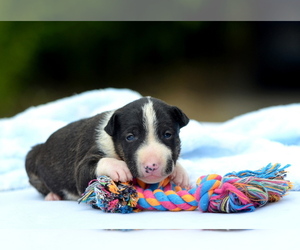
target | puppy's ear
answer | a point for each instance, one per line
(112, 125)
(179, 117)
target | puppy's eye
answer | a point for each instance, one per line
(167, 135)
(130, 137)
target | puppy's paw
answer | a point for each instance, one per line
(117, 170)
(180, 177)
(52, 197)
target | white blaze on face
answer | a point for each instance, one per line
(152, 156)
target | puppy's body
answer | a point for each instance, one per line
(139, 140)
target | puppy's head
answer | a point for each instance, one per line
(146, 136)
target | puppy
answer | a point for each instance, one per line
(139, 140)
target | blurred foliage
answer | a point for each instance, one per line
(42, 61)
(37, 57)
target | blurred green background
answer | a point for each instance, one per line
(212, 70)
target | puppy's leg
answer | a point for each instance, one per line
(32, 170)
(92, 166)
(180, 177)
(115, 169)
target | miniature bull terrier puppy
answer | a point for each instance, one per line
(140, 140)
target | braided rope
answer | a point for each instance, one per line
(213, 193)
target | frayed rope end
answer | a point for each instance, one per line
(110, 197)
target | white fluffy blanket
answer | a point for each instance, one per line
(249, 141)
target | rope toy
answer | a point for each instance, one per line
(235, 192)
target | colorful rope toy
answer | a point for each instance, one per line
(235, 192)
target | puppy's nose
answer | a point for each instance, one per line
(151, 168)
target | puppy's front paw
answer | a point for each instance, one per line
(117, 170)
(180, 177)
